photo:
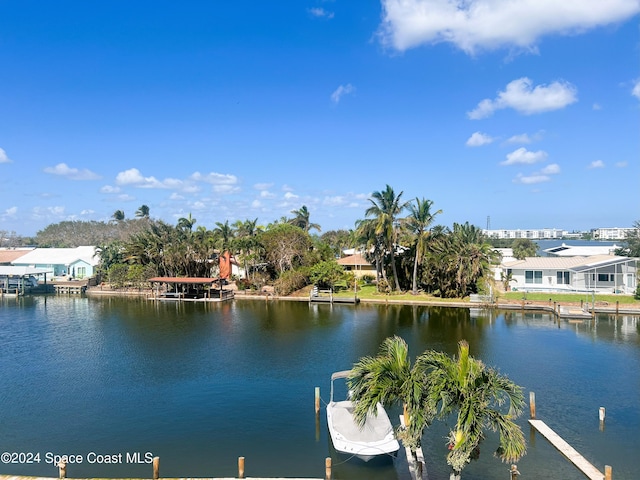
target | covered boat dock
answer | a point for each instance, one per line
(190, 289)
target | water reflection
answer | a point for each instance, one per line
(201, 384)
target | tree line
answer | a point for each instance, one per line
(399, 237)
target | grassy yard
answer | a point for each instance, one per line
(570, 297)
(368, 292)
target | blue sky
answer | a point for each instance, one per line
(527, 111)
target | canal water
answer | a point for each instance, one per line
(115, 382)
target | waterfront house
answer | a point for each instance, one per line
(78, 262)
(595, 273)
(357, 264)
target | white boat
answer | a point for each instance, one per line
(374, 439)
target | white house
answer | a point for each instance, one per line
(596, 273)
(79, 262)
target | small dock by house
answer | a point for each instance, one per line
(317, 295)
(194, 289)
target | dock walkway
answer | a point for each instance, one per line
(567, 450)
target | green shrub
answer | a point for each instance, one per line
(290, 281)
(637, 295)
(367, 279)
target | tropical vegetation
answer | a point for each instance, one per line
(437, 386)
(409, 251)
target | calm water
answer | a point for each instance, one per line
(200, 385)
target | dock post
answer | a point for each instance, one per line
(62, 469)
(240, 467)
(513, 472)
(532, 404)
(608, 474)
(601, 413)
(327, 468)
(617, 306)
(156, 468)
(317, 400)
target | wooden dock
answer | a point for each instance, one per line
(567, 450)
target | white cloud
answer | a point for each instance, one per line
(531, 179)
(636, 90)
(551, 169)
(125, 197)
(10, 213)
(256, 204)
(176, 196)
(263, 186)
(596, 106)
(225, 189)
(526, 99)
(87, 212)
(596, 164)
(290, 196)
(3, 157)
(621, 164)
(63, 170)
(522, 138)
(341, 91)
(473, 25)
(215, 178)
(335, 201)
(266, 194)
(478, 139)
(134, 177)
(109, 189)
(321, 13)
(524, 156)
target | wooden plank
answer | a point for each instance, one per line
(567, 450)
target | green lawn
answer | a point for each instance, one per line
(368, 292)
(570, 297)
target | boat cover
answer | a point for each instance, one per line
(375, 428)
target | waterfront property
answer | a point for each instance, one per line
(597, 274)
(78, 262)
(19, 280)
(189, 288)
(357, 265)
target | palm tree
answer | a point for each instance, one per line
(186, 223)
(389, 379)
(118, 215)
(478, 394)
(223, 233)
(385, 208)
(418, 223)
(301, 219)
(143, 212)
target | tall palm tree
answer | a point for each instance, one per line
(478, 394)
(365, 235)
(118, 215)
(223, 234)
(186, 223)
(301, 219)
(385, 208)
(389, 378)
(418, 223)
(142, 212)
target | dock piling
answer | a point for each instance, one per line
(62, 469)
(156, 468)
(327, 468)
(532, 404)
(513, 472)
(240, 467)
(608, 474)
(317, 400)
